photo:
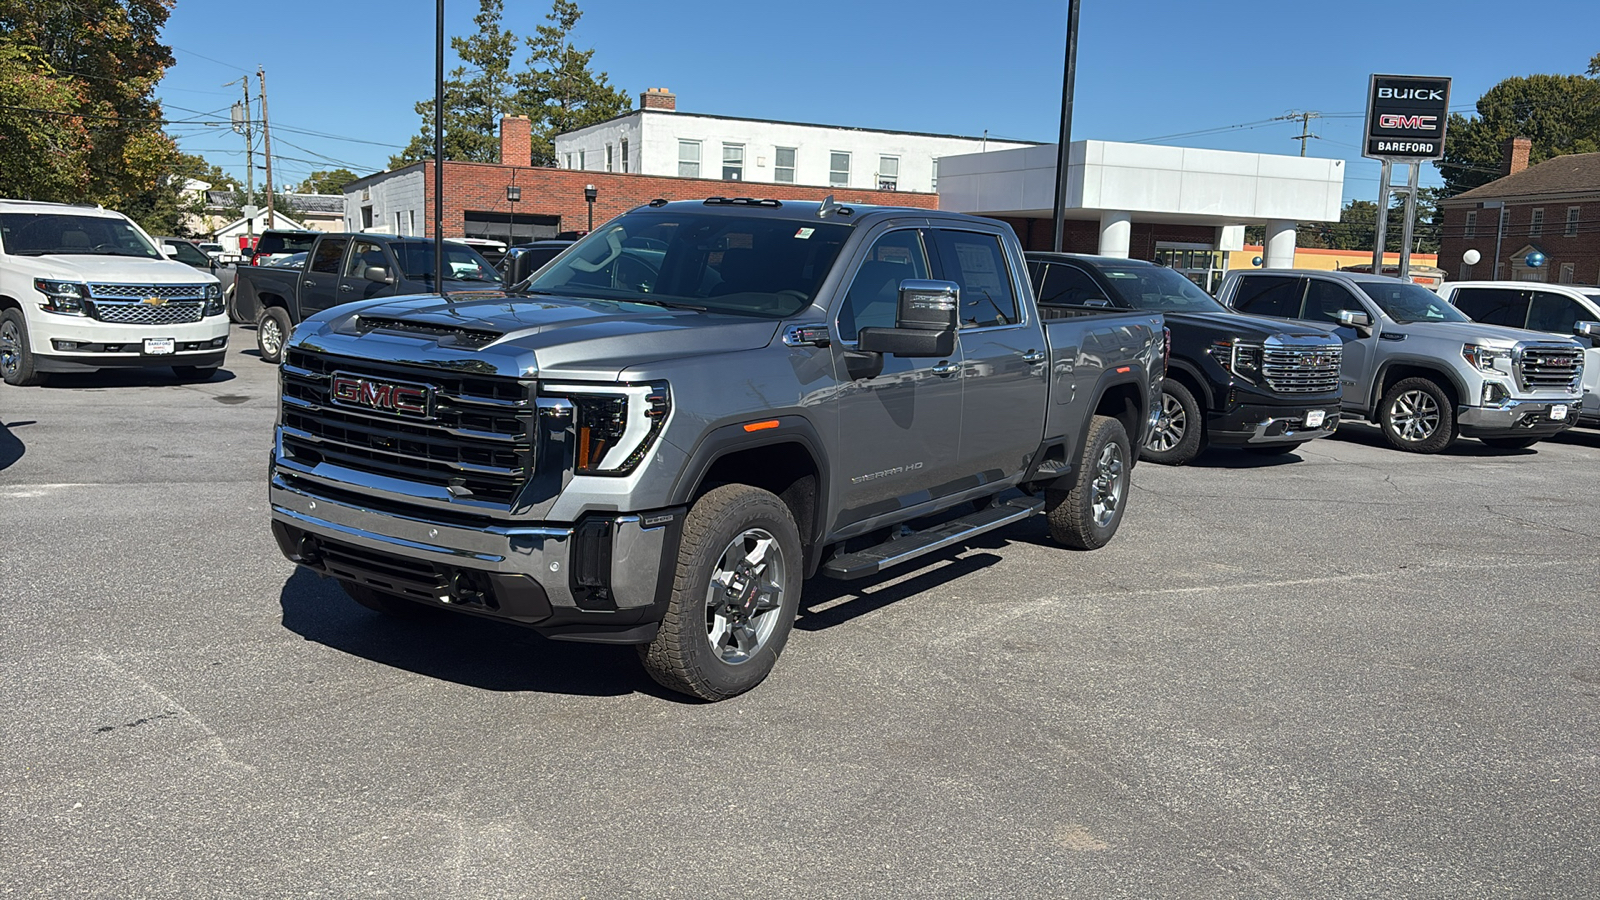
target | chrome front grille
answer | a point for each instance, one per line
(1549, 368)
(1302, 370)
(141, 291)
(146, 314)
(477, 444)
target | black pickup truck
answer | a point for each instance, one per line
(341, 268)
(1234, 380)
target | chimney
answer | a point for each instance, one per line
(516, 141)
(658, 98)
(1516, 156)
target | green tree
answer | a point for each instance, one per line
(1560, 114)
(324, 182)
(557, 90)
(44, 145)
(1358, 224)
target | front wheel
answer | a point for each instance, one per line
(16, 359)
(272, 332)
(1417, 416)
(1511, 443)
(1178, 435)
(734, 595)
(1089, 515)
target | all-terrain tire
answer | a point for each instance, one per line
(1088, 517)
(1179, 434)
(1416, 415)
(692, 653)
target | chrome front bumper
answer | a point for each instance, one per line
(1516, 417)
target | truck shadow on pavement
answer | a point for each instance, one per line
(826, 602)
(462, 649)
(11, 447)
(118, 378)
(1368, 435)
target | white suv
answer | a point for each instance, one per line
(83, 288)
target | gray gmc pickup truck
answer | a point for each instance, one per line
(692, 411)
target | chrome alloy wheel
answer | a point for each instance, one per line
(1414, 416)
(270, 336)
(1170, 427)
(1110, 481)
(745, 595)
(10, 348)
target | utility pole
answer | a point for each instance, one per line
(1305, 127)
(266, 138)
(1064, 144)
(241, 125)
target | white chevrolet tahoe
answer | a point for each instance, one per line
(83, 288)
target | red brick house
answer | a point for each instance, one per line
(548, 201)
(1552, 208)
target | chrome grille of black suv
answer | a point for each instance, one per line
(478, 444)
(1549, 368)
(1302, 370)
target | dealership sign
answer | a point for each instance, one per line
(1406, 115)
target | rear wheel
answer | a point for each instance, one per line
(1178, 435)
(1505, 443)
(1089, 515)
(272, 332)
(231, 300)
(16, 360)
(734, 595)
(1417, 416)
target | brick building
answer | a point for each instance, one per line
(1552, 208)
(547, 201)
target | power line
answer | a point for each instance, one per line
(209, 59)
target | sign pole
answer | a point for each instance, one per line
(1409, 228)
(1380, 235)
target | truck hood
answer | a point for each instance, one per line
(1238, 324)
(111, 269)
(1464, 332)
(523, 334)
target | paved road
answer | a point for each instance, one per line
(1348, 673)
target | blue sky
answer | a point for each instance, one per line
(352, 69)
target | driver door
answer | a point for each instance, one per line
(899, 418)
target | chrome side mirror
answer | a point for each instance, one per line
(1587, 329)
(1352, 319)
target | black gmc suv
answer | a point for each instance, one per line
(1233, 380)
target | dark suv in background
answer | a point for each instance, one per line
(1233, 380)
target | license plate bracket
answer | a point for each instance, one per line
(1316, 417)
(160, 346)
(1558, 412)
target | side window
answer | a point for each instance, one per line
(365, 254)
(328, 255)
(1494, 306)
(1326, 299)
(874, 295)
(1552, 312)
(1065, 285)
(1269, 295)
(977, 264)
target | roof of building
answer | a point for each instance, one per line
(324, 204)
(681, 114)
(1576, 173)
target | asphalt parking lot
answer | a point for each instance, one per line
(1348, 672)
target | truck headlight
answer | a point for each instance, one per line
(613, 426)
(1488, 359)
(214, 300)
(1242, 358)
(63, 297)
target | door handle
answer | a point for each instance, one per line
(1033, 356)
(310, 283)
(346, 287)
(946, 368)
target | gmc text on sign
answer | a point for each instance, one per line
(1406, 117)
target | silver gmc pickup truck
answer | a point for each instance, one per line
(1418, 367)
(694, 409)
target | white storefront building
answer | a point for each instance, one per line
(656, 139)
(1134, 194)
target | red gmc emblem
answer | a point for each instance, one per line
(396, 397)
(1414, 123)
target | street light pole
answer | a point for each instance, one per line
(1064, 147)
(589, 193)
(438, 152)
(1499, 207)
(513, 194)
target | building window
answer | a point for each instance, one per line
(608, 158)
(569, 160)
(1572, 221)
(413, 222)
(688, 159)
(397, 224)
(839, 169)
(1536, 223)
(1472, 223)
(732, 162)
(783, 165)
(888, 173)
(935, 187)
(582, 162)
(366, 217)
(624, 156)
(1569, 271)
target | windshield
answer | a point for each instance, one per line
(1157, 287)
(1407, 302)
(462, 263)
(745, 265)
(39, 234)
